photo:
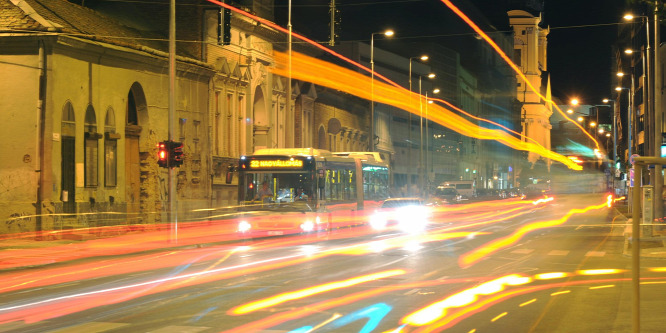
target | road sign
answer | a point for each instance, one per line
(632, 158)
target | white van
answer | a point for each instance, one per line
(465, 187)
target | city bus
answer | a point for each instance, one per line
(297, 190)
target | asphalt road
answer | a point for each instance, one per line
(522, 268)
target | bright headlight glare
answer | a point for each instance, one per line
(412, 218)
(244, 226)
(378, 221)
(307, 226)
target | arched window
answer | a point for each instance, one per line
(91, 148)
(110, 149)
(68, 121)
(321, 140)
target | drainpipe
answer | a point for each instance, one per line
(40, 141)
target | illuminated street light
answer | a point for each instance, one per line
(601, 131)
(619, 74)
(570, 111)
(421, 155)
(580, 119)
(608, 135)
(574, 101)
(652, 110)
(592, 124)
(422, 58)
(628, 51)
(618, 88)
(387, 33)
(427, 136)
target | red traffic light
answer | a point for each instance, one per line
(163, 154)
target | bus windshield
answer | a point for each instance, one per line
(287, 191)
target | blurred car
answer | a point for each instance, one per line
(535, 193)
(448, 194)
(410, 214)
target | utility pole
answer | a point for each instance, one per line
(331, 41)
(658, 118)
(290, 116)
(172, 215)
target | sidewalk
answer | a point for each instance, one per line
(653, 245)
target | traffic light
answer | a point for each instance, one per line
(170, 154)
(175, 154)
(163, 154)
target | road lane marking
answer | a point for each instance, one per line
(528, 302)
(522, 251)
(595, 254)
(499, 316)
(410, 292)
(180, 329)
(602, 287)
(90, 327)
(558, 253)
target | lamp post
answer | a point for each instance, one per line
(427, 135)
(655, 114)
(613, 167)
(387, 33)
(409, 178)
(421, 165)
(291, 142)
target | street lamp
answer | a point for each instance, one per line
(421, 165)
(422, 58)
(387, 33)
(427, 141)
(606, 100)
(647, 83)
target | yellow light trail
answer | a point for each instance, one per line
(315, 44)
(476, 255)
(329, 75)
(433, 312)
(513, 66)
(290, 296)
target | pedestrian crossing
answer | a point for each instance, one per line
(560, 253)
(99, 327)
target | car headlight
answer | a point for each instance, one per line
(378, 221)
(412, 218)
(244, 226)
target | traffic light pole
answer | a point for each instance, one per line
(172, 214)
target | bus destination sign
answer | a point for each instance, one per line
(276, 164)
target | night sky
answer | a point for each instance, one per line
(579, 58)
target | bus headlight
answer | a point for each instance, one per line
(307, 226)
(244, 226)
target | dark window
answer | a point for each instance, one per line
(91, 148)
